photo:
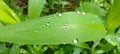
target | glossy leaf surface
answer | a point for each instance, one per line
(61, 28)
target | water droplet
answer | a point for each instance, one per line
(59, 14)
(75, 41)
(78, 12)
(64, 42)
(83, 13)
(47, 24)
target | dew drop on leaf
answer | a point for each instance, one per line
(64, 42)
(47, 24)
(75, 41)
(78, 12)
(59, 14)
(83, 13)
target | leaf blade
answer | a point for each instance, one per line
(113, 16)
(65, 27)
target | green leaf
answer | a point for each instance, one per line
(113, 17)
(68, 27)
(7, 14)
(35, 8)
(91, 8)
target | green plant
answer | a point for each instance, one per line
(87, 29)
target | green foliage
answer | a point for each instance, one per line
(84, 27)
(113, 16)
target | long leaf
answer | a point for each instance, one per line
(35, 7)
(113, 18)
(7, 14)
(69, 27)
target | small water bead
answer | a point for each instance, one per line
(75, 41)
(47, 24)
(59, 14)
(78, 12)
(83, 13)
(64, 42)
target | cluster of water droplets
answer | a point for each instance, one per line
(74, 41)
(83, 13)
(66, 26)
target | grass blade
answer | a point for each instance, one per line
(7, 14)
(113, 17)
(35, 7)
